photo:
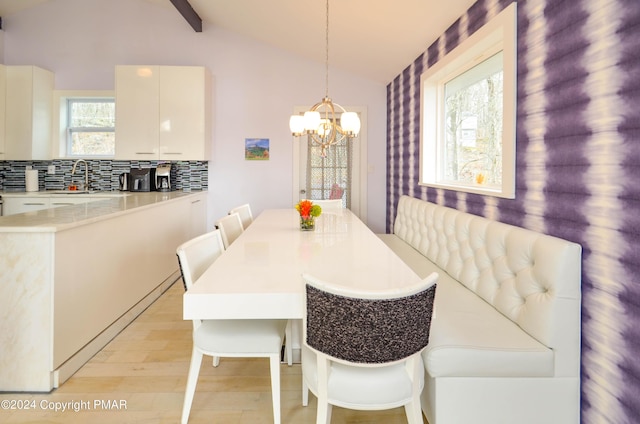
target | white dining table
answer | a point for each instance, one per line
(260, 274)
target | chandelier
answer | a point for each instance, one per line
(326, 123)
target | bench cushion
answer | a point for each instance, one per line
(470, 338)
(531, 278)
(416, 261)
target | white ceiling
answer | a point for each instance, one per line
(373, 38)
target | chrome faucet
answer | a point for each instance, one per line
(86, 172)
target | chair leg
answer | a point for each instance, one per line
(216, 361)
(324, 412)
(305, 393)
(322, 393)
(192, 380)
(288, 347)
(414, 412)
(413, 409)
(274, 364)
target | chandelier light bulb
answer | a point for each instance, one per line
(296, 125)
(350, 123)
(311, 121)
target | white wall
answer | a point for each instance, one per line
(2, 47)
(256, 87)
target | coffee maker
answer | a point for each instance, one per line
(163, 177)
(142, 179)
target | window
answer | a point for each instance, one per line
(90, 127)
(468, 113)
(330, 177)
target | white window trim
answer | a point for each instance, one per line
(498, 34)
(59, 145)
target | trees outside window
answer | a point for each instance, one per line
(473, 125)
(90, 127)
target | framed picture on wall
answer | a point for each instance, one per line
(256, 148)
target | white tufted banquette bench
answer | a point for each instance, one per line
(505, 335)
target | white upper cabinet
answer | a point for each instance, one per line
(163, 112)
(137, 106)
(3, 96)
(28, 104)
(185, 105)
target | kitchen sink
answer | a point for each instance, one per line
(72, 191)
(88, 192)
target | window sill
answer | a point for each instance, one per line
(474, 189)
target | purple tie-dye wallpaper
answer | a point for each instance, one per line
(578, 167)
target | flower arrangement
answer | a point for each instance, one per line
(307, 209)
(308, 212)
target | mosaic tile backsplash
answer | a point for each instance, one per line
(103, 174)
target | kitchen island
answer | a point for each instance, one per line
(72, 277)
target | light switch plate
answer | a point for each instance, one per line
(51, 170)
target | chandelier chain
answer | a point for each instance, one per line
(326, 58)
(327, 123)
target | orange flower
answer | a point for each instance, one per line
(306, 208)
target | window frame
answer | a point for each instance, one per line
(61, 130)
(499, 34)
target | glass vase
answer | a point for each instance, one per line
(307, 224)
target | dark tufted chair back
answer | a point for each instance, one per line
(365, 329)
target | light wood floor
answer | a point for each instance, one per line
(140, 377)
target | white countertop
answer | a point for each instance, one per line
(64, 193)
(62, 218)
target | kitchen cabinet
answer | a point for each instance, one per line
(131, 256)
(137, 112)
(198, 217)
(68, 200)
(3, 90)
(163, 112)
(15, 205)
(69, 284)
(28, 109)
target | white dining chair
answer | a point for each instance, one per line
(336, 191)
(230, 227)
(329, 203)
(361, 350)
(245, 214)
(247, 218)
(246, 338)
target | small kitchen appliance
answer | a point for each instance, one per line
(142, 179)
(163, 177)
(124, 181)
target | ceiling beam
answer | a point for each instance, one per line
(189, 14)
